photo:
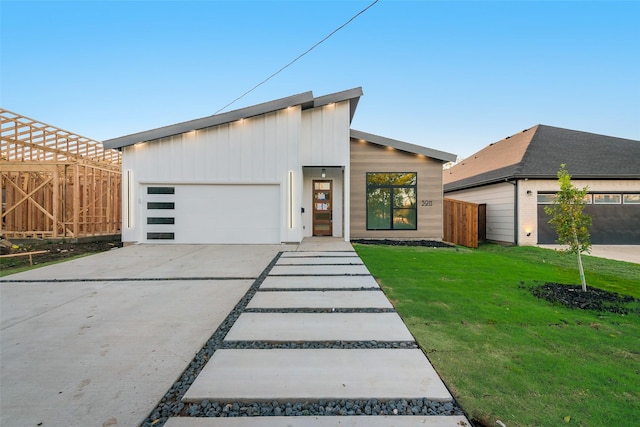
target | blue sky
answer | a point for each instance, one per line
(449, 75)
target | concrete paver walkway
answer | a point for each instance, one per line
(296, 375)
(102, 346)
(298, 327)
(324, 299)
(313, 374)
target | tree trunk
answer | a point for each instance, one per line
(582, 279)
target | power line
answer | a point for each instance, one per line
(298, 57)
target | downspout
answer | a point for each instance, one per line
(515, 213)
(515, 209)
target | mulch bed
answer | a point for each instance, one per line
(594, 299)
(425, 243)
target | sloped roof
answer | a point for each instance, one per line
(306, 100)
(404, 146)
(539, 151)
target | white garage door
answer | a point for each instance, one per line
(212, 213)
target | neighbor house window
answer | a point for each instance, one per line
(546, 199)
(631, 199)
(607, 199)
(391, 201)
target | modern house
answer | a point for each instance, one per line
(275, 173)
(517, 176)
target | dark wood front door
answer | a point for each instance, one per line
(322, 208)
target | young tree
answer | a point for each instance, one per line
(571, 224)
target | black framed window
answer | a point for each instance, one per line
(160, 220)
(161, 205)
(161, 236)
(161, 190)
(391, 201)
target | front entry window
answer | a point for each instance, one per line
(391, 201)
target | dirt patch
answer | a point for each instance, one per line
(593, 299)
(56, 251)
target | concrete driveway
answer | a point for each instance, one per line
(97, 341)
(627, 253)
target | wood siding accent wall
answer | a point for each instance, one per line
(367, 157)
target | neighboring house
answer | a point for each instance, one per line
(278, 172)
(517, 177)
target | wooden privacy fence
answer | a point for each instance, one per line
(464, 223)
(56, 184)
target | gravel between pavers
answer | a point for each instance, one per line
(171, 405)
(320, 408)
(265, 345)
(321, 310)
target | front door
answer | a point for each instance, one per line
(322, 208)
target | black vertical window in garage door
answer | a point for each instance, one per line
(163, 219)
(616, 224)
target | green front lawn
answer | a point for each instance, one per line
(507, 355)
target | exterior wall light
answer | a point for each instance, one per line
(324, 173)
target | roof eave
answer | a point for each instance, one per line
(352, 95)
(457, 186)
(209, 121)
(453, 187)
(404, 146)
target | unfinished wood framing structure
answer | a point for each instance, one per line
(56, 184)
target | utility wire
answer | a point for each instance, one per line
(298, 57)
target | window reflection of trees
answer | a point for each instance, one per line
(391, 201)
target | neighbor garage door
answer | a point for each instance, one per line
(212, 213)
(614, 223)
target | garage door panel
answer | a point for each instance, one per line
(611, 225)
(219, 214)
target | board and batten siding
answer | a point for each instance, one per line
(500, 202)
(324, 135)
(256, 150)
(368, 157)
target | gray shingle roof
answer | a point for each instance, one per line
(540, 153)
